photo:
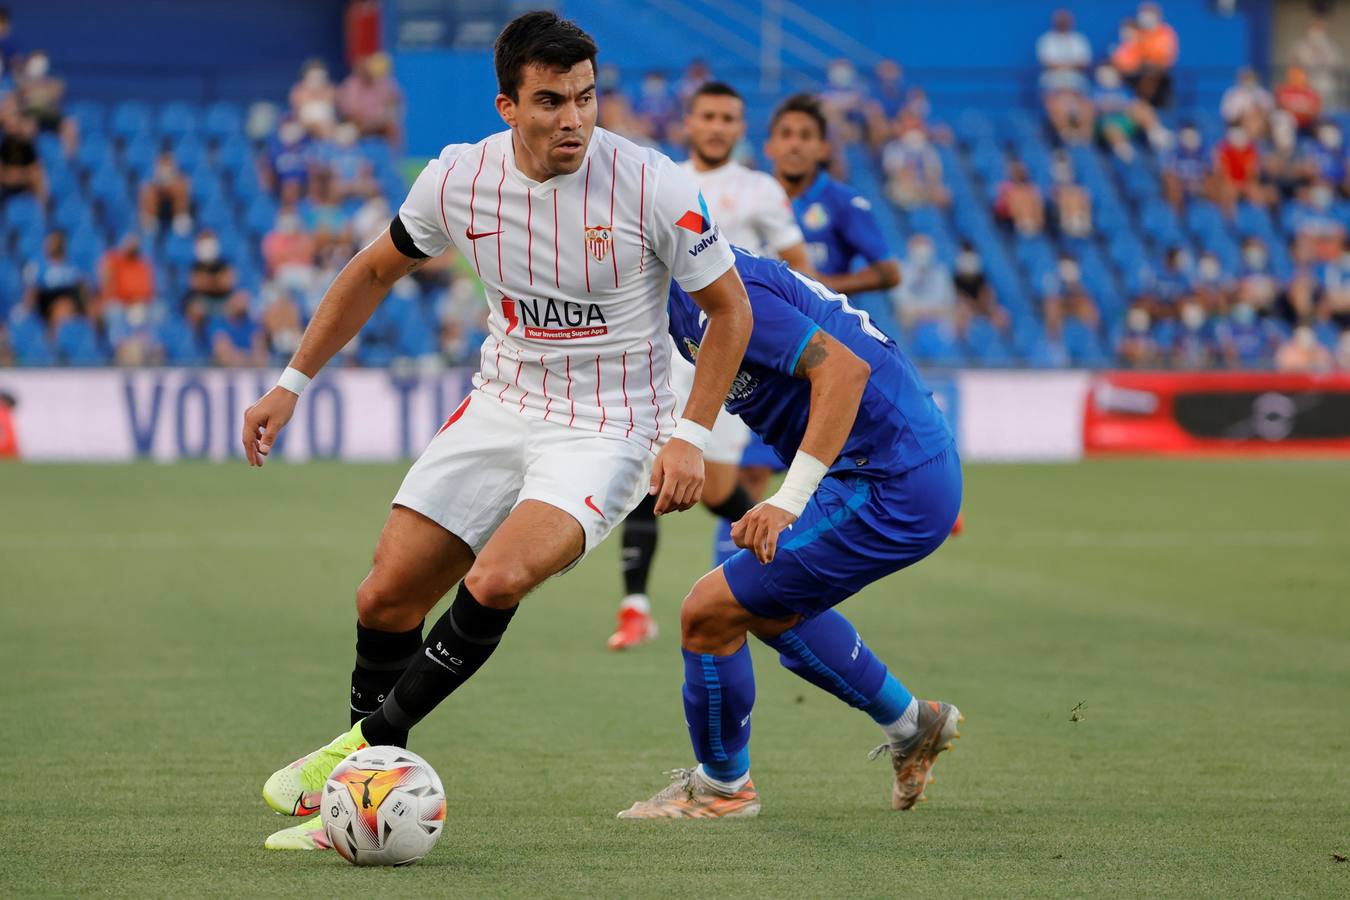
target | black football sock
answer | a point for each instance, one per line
(381, 657)
(456, 647)
(735, 506)
(639, 546)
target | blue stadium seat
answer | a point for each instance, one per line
(94, 151)
(177, 119)
(181, 346)
(29, 341)
(138, 157)
(89, 115)
(72, 214)
(85, 248)
(189, 153)
(22, 211)
(935, 344)
(11, 285)
(1082, 345)
(1254, 221)
(985, 344)
(223, 120)
(260, 215)
(130, 118)
(77, 345)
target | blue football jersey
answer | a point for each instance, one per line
(898, 427)
(838, 226)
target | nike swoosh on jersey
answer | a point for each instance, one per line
(480, 235)
(594, 507)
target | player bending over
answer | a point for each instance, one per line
(575, 234)
(874, 486)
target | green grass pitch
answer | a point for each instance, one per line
(172, 634)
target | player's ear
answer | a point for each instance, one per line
(506, 108)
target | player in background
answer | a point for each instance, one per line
(753, 212)
(575, 234)
(874, 486)
(840, 230)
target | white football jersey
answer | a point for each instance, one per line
(750, 207)
(576, 271)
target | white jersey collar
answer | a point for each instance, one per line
(543, 188)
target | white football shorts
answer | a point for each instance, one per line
(488, 457)
(729, 434)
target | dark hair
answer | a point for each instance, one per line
(801, 103)
(714, 89)
(538, 38)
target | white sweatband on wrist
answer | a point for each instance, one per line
(692, 433)
(294, 381)
(801, 481)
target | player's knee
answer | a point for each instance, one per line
(382, 608)
(704, 624)
(498, 587)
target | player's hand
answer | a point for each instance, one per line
(757, 531)
(263, 420)
(677, 476)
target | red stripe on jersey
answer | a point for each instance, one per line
(529, 232)
(549, 405)
(651, 380)
(454, 416)
(499, 218)
(614, 243)
(642, 216)
(625, 394)
(444, 179)
(585, 214)
(497, 369)
(473, 194)
(523, 393)
(556, 281)
(597, 392)
(569, 385)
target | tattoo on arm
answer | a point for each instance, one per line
(813, 355)
(413, 265)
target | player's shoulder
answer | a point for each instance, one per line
(630, 151)
(842, 194)
(451, 154)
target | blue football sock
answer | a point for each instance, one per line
(723, 546)
(719, 692)
(828, 652)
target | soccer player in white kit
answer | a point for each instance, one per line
(754, 212)
(575, 233)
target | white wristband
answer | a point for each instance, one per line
(801, 481)
(692, 433)
(294, 381)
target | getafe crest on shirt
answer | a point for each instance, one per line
(599, 241)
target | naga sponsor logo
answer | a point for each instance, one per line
(706, 242)
(546, 319)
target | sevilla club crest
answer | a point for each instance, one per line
(599, 241)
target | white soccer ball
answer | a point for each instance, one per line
(383, 806)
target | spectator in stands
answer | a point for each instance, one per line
(1121, 116)
(1327, 154)
(656, 107)
(211, 278)
(1283, 165)
(1063, 295)
(1192, 345)
(1237, 172)
(53, 277)
(281, 325)
(886, 102)
(132, 334)
(352, 173)
(1303, 353)
(1172, 284)
(372, 100)
(1319, 233)
(1064, 55)
(1212, 285)
(1070, 203)
(314, 100)
(1019, 204)
(1298, 98)
(21, 170)
(696, 74)
(41, 93)
(1127, 56)
(1158, 50)
(974, 293)
(1317, 53)
(1138, 345)
(843, 100)
(235, 338)
(1248, 103)
(289, 158)
(1243, 340)
(183, 338)
(125, 276)
(1334, 298)
(913, 168)
(7, 48)
(165, 196)
(70, 334)
(325, 218)
(616, 115)
(1185, 167)
(1256, 283)
(926, 292)
(289, 250)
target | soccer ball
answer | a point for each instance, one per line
(383, 806)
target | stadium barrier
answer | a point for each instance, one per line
(121, 415)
